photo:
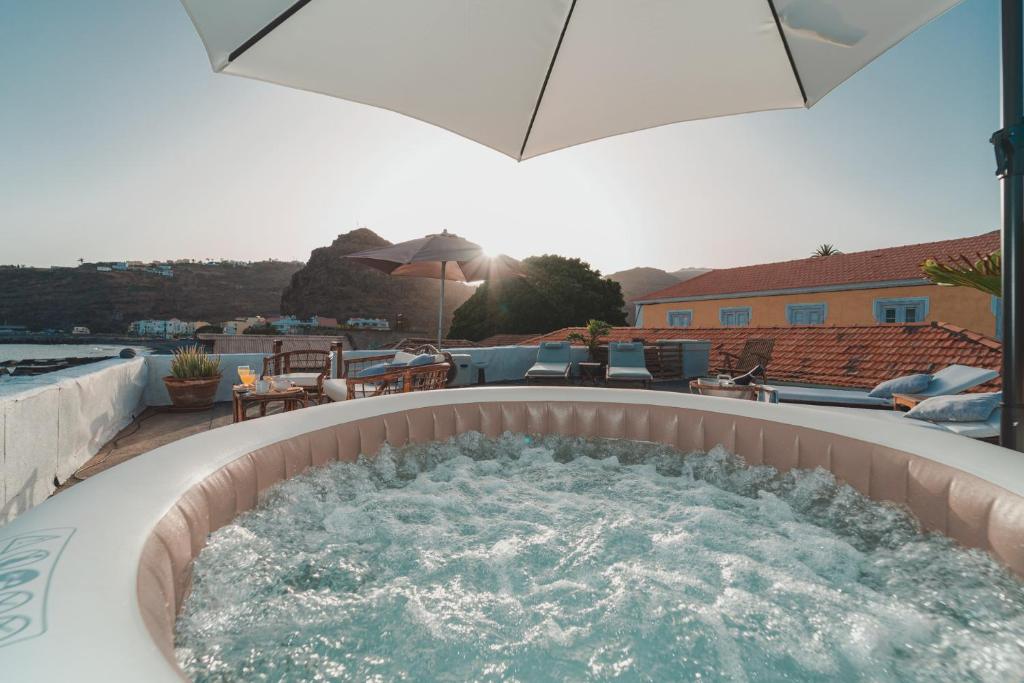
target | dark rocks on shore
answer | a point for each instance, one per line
(40, 366)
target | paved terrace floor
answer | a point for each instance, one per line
(157, 427)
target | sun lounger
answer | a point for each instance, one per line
(989, 429)
(554, 360)
(626, 364)
(950, 380)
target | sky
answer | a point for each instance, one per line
(118, 142)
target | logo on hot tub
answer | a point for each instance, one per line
(26, 564)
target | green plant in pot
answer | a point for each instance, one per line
(194, 378)
(592, 339)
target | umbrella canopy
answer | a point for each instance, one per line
(423, 257)
(526, 77)
(443, 257)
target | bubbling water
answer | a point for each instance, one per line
(571, 559)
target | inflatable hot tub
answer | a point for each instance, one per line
(91, 581)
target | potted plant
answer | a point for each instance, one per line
(595, 330)
(194, 377)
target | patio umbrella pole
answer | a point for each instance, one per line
(1009, 148)
(440, 309)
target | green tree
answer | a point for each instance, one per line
(824, 250)
(556, 292)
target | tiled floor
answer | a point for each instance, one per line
(155, 427)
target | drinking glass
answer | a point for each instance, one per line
(245, 374)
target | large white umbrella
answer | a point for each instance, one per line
(527, 77)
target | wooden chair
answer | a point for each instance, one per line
(306, 368)
(749, 392)
(755, 352)
(398, 380)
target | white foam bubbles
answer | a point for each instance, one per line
(569, 559)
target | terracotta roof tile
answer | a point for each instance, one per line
(857, 356)
(877, 265)
(504, 339)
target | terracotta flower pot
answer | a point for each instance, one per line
(192, 394)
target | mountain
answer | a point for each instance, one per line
(333, 286)
(636, 282)
(685, 274)
(107, 301)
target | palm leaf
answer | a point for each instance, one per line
(985, 274)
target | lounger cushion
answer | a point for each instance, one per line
(374, 370)
(956, 379)
(845, 397)
(961, 408)
(336, 389)
(632, 374)
(554, 352)
(908, 384)
(403, 358)
(423, 359)
(626, 355)
(548, 370)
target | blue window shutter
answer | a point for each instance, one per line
(997, 311)
(738, 316)
(680, 318)
(806, 314)
(912, 309)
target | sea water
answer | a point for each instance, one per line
(565, 559)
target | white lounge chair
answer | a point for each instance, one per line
(947, 381)
(989, 429)
(554, 361)
(626, 364)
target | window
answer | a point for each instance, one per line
(734, 317)
(901, 310)
(680, 318)
(805, 314)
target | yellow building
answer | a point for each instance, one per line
(863, 288)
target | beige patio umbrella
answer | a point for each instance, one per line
(443, 256)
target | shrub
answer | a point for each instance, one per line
(192, 362)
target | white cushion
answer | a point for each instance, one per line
(629, 373)
(959, 408)
(336, 389)
(302, 379)
(908, 384)
(548, 370)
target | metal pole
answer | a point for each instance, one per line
(440, 309)
(1009, 144)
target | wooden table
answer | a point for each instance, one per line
(242, 397)
(904, 401)
(591, 372)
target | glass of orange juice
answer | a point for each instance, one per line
(246, 374)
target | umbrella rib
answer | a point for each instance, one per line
(263, 32)
(547, 77)
(789, 53)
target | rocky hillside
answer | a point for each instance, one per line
(333, 286)
(61, 298)
(639, 281)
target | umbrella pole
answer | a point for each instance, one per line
(1009, 144)
(440, 309)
